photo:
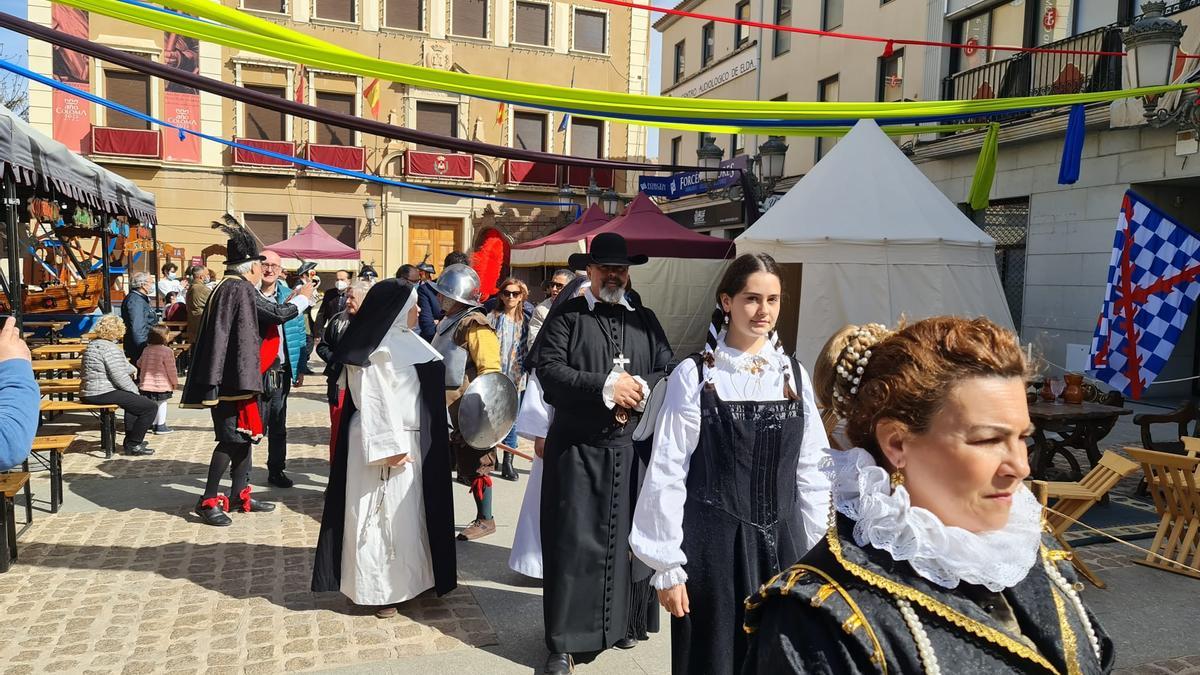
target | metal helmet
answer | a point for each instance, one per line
(459, 283)
(487, 410)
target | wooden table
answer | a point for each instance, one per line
(1077, 425)
(54, 326)
(55, 351)
(52, 365)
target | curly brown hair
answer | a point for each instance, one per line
(909, 373)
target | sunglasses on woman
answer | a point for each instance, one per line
(511, 294)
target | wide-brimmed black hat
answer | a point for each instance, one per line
(608, 248)
(241, 246)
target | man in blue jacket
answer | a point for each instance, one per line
(138, 315)
(19, 398)
(280, 377)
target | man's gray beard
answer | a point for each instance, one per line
(612, 295)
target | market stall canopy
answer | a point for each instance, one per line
(314, 243)
(554, 249)
(38, 161)
(877, 240)
(650, 232)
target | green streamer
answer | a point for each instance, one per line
(985, 169)
(249, 33)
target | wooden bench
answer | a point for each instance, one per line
(56, 446)
(59, 386)
(106, 413)
(10, 484)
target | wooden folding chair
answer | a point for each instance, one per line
(1072, 500)
(1172, 481)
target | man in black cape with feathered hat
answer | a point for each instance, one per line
(235, 347)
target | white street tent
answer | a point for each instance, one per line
(876, 241)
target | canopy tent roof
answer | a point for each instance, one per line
(42, 162)
(877, 241)
(314, 243)
(648, 231)
(556, 247)
(865, 201)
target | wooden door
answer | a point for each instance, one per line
(435, 237)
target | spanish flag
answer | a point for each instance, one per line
(371, 96)
(501, 114)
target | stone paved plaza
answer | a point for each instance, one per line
(126, 580)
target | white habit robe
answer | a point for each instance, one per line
(385, 551)
(533, 422)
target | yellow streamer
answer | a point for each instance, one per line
(248, 32)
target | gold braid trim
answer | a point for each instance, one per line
(939, 609)
(1070, 648)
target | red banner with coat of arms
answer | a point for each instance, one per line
(440, 165)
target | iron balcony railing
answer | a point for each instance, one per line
(1040, 74)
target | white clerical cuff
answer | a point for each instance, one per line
(610, 386)
(668, 578)
(301, 302)
(641, 407)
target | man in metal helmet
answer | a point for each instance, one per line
(469, 348)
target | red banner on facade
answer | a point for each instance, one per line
(126, 142)
(72, 115)
(181, 104)
(581, 176)
(532, 173)
(438, 165)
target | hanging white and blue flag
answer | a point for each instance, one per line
(1151, 290)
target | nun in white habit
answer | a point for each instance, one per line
(387, 532)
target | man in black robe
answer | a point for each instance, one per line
(236, 345)
(597, 360)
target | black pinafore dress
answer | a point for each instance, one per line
(741, 525)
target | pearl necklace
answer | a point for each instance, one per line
(924, 646)
(1070, 591)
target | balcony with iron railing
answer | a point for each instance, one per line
(1041, 74)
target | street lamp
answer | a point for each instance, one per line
(611, 201)
(770, 160)
(709, 156)
(593, 192)
(371, 213)
(566, 199)
(1151, 46)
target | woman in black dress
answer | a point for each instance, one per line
(733, 494)
(936, 560)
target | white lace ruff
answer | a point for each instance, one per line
(886, 520)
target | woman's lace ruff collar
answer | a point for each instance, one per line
(944, 555)
(767, 358)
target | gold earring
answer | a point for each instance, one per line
(897, 479)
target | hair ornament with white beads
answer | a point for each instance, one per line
(852, 364)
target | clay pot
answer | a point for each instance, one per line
(1073, 393)
(1047, 392)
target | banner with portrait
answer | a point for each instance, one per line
(181, 103)
(72, 114)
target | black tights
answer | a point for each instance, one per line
(226, 455)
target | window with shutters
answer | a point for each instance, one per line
(587, 138)
(531, 24)
(405, 14)
(344, 230)
(336, 10)
(437, 118)
(708, 43)
(131, 90)
(275, 6)
(469, 18)
(529, 131)
(267, 228)
(591, 31)
(261, 124)
(783, 17)
(328, 134)
(676, 149)
(741, 34)
(680, 63)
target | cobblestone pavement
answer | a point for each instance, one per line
(149, 589)
(1188, 665)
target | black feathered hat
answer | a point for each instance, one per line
(241, 247)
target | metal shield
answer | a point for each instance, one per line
(487, 410)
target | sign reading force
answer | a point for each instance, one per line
(692, 182)
(723, 73)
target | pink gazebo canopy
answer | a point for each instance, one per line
(650, 232)
(314, 243)
(591, 219)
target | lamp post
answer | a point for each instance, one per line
(764, 171)
(593, 192)
(566, 198)
(709, 156)
(1151, 45)
(611, 201)
(370, 213)
(771, 156)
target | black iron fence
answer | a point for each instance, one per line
(1039, 74)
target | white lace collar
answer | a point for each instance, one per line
(941, 554)
(733, 360)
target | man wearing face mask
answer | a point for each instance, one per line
(333, 303)
(138, 315)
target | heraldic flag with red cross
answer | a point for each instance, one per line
(1152, 287)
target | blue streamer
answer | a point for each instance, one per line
(1072, 154)
(29, 74)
